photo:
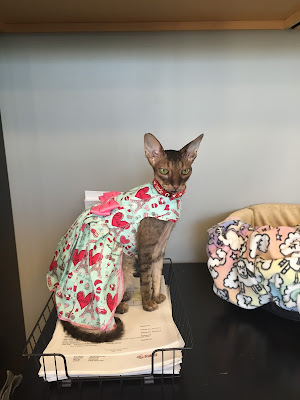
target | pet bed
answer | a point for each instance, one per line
(254, 258)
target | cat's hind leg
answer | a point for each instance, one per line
(128, 269)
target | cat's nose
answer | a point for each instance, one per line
(175, 187)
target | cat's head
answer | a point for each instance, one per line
(172, 168)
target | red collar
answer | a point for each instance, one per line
(163, 192)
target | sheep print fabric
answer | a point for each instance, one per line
(251, 266)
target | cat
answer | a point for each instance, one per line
(153, 234)
(156, 215)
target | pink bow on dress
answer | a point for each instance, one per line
(107, 204)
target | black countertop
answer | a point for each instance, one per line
(238, 354)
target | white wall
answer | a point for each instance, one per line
(75, 108)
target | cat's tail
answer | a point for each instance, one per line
(89, 335)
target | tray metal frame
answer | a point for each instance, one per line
(45, 325)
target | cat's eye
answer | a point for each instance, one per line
(185, 171)
(163, 171)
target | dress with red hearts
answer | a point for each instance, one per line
(86, 271)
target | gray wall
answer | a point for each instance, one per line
(75, 108)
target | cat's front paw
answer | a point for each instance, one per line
(122, 308)
(150, 306)
(159, 299)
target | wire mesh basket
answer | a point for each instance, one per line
(45, 326)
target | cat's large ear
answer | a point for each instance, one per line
(190, 150)
(153, 149)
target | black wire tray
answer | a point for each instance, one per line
(45, 326)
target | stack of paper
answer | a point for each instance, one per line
(131, 355)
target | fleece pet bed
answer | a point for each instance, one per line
(254, 258)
